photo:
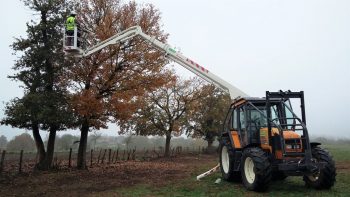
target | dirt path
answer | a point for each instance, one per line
(104, 178)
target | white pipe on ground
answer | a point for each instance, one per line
(209, 172)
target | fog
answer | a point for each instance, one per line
(255, 45)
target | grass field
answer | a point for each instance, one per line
(164, 177)
(292, 186)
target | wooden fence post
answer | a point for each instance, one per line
(55, 161)
(92, 150)
(134, 154)
(70, 158)
(145, 152)
(129, 151)
(104, 154)
(99, 156)
(172, 152)
(113, 157)
(116, 157)
(109, 156)
(20, 162)
(2, 160)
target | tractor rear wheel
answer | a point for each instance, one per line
(227, 161)
(255, 169)
(325, 177)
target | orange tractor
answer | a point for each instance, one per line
(263, 139)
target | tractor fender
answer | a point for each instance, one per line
(314, 144)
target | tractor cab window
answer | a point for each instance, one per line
(228, 120)
(289, 114)
(274, 115)
(242, 118)
(242, 125)
(234, 120)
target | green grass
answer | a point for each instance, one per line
(340, 152)
(292, 186)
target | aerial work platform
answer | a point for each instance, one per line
(73, 50)
(71, 44)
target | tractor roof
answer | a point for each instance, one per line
(253, 100)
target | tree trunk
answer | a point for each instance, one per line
(81, 161)
(50, 147)
(210, 143)
(40, 165)
(210, 148)
(167, 145)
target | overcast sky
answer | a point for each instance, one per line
(255, 45)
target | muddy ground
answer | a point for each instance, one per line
(178, 173)
(104, 178)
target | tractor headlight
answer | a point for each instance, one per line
(293, 144)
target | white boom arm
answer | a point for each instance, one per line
(171, 54)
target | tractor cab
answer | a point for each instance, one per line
(72, 43)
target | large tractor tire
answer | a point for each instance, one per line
(255, 169)
(325, 178)
(227, 161)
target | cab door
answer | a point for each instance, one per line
(232, 129)
(236, 138)
(242, 125)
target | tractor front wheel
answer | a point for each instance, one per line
(255, 169)
(227, 163)
(324, 178)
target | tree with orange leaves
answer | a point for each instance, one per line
(104, 85)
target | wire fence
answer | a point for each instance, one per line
(21, 162)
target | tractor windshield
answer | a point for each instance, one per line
(258, 118)
(258, 115)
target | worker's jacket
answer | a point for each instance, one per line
(70, 23)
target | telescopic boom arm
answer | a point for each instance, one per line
(172, 55)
